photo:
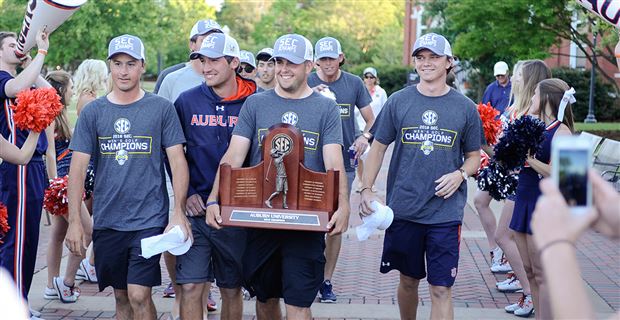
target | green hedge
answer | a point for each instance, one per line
(606, 102)
(392, 77)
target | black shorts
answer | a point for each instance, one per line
(284, 264)
(119, 261)
(408, 244)
(214, 251)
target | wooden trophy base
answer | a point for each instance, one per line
(282, 219)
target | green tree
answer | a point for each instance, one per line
(241, 17)
(513, 30)
(163, 26)
(368, 31)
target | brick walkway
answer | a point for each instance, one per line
(358, 283)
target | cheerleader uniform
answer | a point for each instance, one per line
(63, 162)
(63, 157)
(528, 190)
(21, 190)
(508, 117)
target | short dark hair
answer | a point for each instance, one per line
(6, 34)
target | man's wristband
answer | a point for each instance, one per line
(210, 203)
(42, 51)
(364, 188)
(463, 174)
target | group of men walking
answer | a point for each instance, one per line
(211, 110)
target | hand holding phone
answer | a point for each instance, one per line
(571, 157)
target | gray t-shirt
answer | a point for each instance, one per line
(179, 81)
(126, 142)
(432, 134)
(350, 92)
(315, 116)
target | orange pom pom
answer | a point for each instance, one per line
(55, 200)
(491, 125)
(4, 223)
(36, 109)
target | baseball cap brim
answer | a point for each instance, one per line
(328, 55)
(130, 53)
(289, 57)
(430, 49)
(249, 63)
(209, 30)
(263, 56)
(206, 53)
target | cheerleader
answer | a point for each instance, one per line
(550, 104)
(63, 287)
(524, 82)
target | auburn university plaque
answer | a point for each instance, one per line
(279, 192)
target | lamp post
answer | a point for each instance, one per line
(590, 117)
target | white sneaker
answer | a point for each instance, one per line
(511, 308)
(502, 267)
(48, 294)
(526, 308)
(65, 294)
(496, 255)
(86, 272)
(512, 286)
(509, 277)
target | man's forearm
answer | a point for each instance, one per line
(180, 182)
(343, 188)
(42, 83)
(75, 190)
(472, 163)
(372, 166)
(27, 77)
(214, 196)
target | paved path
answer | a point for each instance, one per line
(364, 293)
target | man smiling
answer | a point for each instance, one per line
(283, 263)
(436, 135)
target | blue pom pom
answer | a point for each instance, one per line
(521, 137)
(497, 181)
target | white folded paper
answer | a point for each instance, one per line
(381, 219)
(172, 241)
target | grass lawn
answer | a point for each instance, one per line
(600, 126)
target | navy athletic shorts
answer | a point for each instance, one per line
(284, 264)
(119, 261)
(218, 252)
(407, 244)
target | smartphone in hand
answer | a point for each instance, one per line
(571, 157)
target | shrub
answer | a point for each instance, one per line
(606, 102)
(392, 77)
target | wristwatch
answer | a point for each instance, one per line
(463, 174)
(367, 135)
